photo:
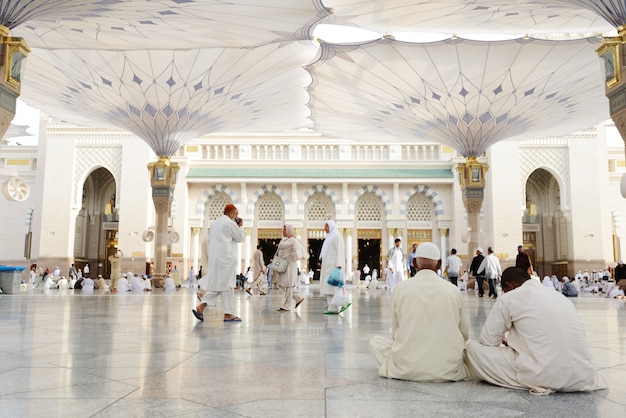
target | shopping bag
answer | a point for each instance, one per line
(336, 278)
(341, 298)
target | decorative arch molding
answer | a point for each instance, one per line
(431, 194)
(370, 189)
(268, 188)
(555, 160)
(88, 160)
(207, 194)
(319, 189)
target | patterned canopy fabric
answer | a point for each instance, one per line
(465, 94)
(170, 70)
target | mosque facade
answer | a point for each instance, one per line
(90, 196)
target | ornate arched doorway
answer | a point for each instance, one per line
(546, 230)
(96, 232)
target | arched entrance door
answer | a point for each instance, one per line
(546, 230)
(96, 232)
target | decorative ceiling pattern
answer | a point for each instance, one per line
(170, 70)
(472, 16)
(159, 24)
(461, 93)
(170, 97)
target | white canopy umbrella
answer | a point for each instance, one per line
(170, 97)
(465, 94)
(472, 16)
(159, 24)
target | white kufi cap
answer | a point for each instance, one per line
(428, 250)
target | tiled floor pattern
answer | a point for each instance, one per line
(144, 355)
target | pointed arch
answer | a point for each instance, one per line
(370, 189)
(207, 194)
(431, 194)
(268, 188)
(319, 189)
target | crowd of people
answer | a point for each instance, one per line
(79, 279)
(516, 349)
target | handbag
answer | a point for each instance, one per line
(279, 265)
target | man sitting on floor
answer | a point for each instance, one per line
(429, 326)
(546, 349)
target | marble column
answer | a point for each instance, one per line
(248, 257)
(163, 175)
(472, 177)
(613, 54)
(195, 232)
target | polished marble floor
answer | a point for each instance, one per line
(144, 355)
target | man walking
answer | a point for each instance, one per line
(492, 270)
(395, 263)
(453, 267)
(225, 233)
(480, 277)
(409, 262)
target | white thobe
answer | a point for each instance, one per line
(62, 284)
(137, 284)
(335, 256)
(169, 285)
(88, 285)
(49, 283)
(547, 348)
(122, 285)
(429, 330)
(224, 234)
(396, 267)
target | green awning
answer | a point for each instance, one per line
(343, 173)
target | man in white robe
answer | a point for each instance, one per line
(429, 326)
(32, 276)
(63, 284)
(122, 284)
(169, 285)
(395, 263)
(88, 285)
(49, 282)
(137, 284)
(224, 235)
(537, 354)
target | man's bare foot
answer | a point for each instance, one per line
(200, 308)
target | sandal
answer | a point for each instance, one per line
(262, 293)
(233, 319)
(299, 302)
(198, 315)
(344, 308)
